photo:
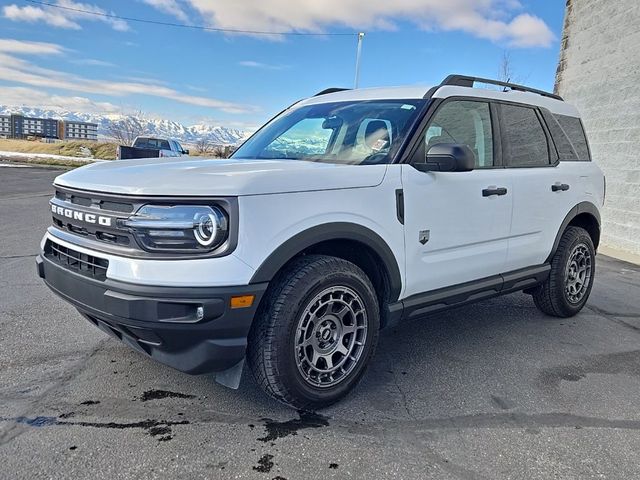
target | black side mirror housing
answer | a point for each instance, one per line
(185, 152)
(446, 157)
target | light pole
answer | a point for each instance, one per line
(357, 79)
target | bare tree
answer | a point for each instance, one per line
(222, 151)
(204, 146)
(127, 128)
(217, 151)
(507, 72)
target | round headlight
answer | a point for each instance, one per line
(179, 228)
(206, 229)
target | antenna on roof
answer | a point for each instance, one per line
(358, 53)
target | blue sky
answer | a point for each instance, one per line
(60, 58)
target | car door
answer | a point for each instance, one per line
(457, 224)
(542, 188)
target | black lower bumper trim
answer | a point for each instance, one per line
(192, 329)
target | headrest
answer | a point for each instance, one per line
(376, 133)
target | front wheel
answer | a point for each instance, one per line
(315, 333)
(567, 289)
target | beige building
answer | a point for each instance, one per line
(599, 72)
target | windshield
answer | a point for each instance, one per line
(357, 133)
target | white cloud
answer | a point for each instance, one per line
(93, 62)
(22, 96)
(62, 17)
(501, 21)
(264, 66)
(131, 78)
(36, 14)
(18, 70)
(9, 45)
(170, 7)
(528, 31)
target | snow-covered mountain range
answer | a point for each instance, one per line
(217, 135)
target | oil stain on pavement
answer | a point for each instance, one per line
(155, 428)
(160, 394)
(276, 430)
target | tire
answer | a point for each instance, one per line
(297, 322)
(568, 287)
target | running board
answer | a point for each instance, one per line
(422, 304)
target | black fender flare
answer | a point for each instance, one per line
(332, 231)
(583, 207)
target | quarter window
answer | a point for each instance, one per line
(572, 127)
(564, 147)
(467, 123)
(524, 140)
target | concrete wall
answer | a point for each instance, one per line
(599, 72)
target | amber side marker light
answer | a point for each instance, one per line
(242, 301)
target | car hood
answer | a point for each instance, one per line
(218, 177)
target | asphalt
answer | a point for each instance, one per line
(490, 391)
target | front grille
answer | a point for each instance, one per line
(95, 201)
(95, 233)
(79, 262)
(93, 204)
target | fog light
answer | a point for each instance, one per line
(200, 313)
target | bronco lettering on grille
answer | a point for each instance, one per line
(82, 216)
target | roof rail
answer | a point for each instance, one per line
(466, 81)
(331, 90)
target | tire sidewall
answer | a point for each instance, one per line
(305, 292)
(580, 237)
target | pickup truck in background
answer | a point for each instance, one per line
(151, 147)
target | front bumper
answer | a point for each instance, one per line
(162, 322)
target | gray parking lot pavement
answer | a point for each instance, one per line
(492, 390)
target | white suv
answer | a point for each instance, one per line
(348, 212)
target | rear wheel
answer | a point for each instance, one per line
(315, 332)
(567, 289)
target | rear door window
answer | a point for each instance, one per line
(524, 141)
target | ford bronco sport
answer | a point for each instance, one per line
(348, 212)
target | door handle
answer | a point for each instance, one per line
(559, 187)
(489, 191)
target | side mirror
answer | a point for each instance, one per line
(185, 152)
(447, 157)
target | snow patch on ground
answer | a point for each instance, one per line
(46, 156)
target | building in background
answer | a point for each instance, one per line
(24, 127)
(21, 127)
(599, 72)
(5, 126)
(72, 130)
